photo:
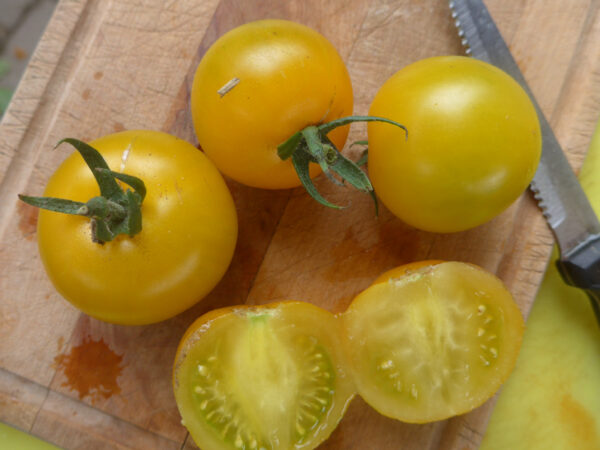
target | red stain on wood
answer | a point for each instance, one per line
(92, 369)
(28, 216)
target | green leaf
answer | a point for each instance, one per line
(301, 160)
(109, 188)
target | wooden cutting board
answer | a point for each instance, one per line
(104, 66)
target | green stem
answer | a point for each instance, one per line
(114, 211)
(312, 145)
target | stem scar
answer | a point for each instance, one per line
(228, 86)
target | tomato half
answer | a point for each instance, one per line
(433, 341)
(268, 377)
(189, 231)
(288, 77)
(473, 143)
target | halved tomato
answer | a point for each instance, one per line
(431, 341)
(267, 377)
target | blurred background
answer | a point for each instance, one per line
(22, 23)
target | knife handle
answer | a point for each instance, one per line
(581, 268)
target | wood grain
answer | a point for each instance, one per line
(104, 66)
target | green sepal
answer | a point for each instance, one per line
(315, 146)
(375, 202)
(53, 204)
(351, 173)
(109, 188)
(312, 145)
(301, 161)
(112, 213)
(135, 213)
(364, 158)
(288, 148)
(138, 185)
(329, 126)
(100, 232)
(363, 143)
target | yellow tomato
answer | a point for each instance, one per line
(189, 231)
(282, 77)
(432, 340)
(473, 143)
(267, 377)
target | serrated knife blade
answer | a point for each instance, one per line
(555, 186)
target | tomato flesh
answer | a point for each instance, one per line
(266, 377)
(434, 342)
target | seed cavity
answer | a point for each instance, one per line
(239, 442)
(316, 390)
(414, 393)
(386, 365)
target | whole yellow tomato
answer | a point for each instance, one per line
(473, 143)
(258, 85)
(189, 231)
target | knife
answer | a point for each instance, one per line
(555, 186)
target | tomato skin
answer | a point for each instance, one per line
(473, 143)
(405, 269)
(185, 246)
(290, 77)
(249, 373)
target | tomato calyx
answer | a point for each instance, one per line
(312, 145)
(114, 211)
